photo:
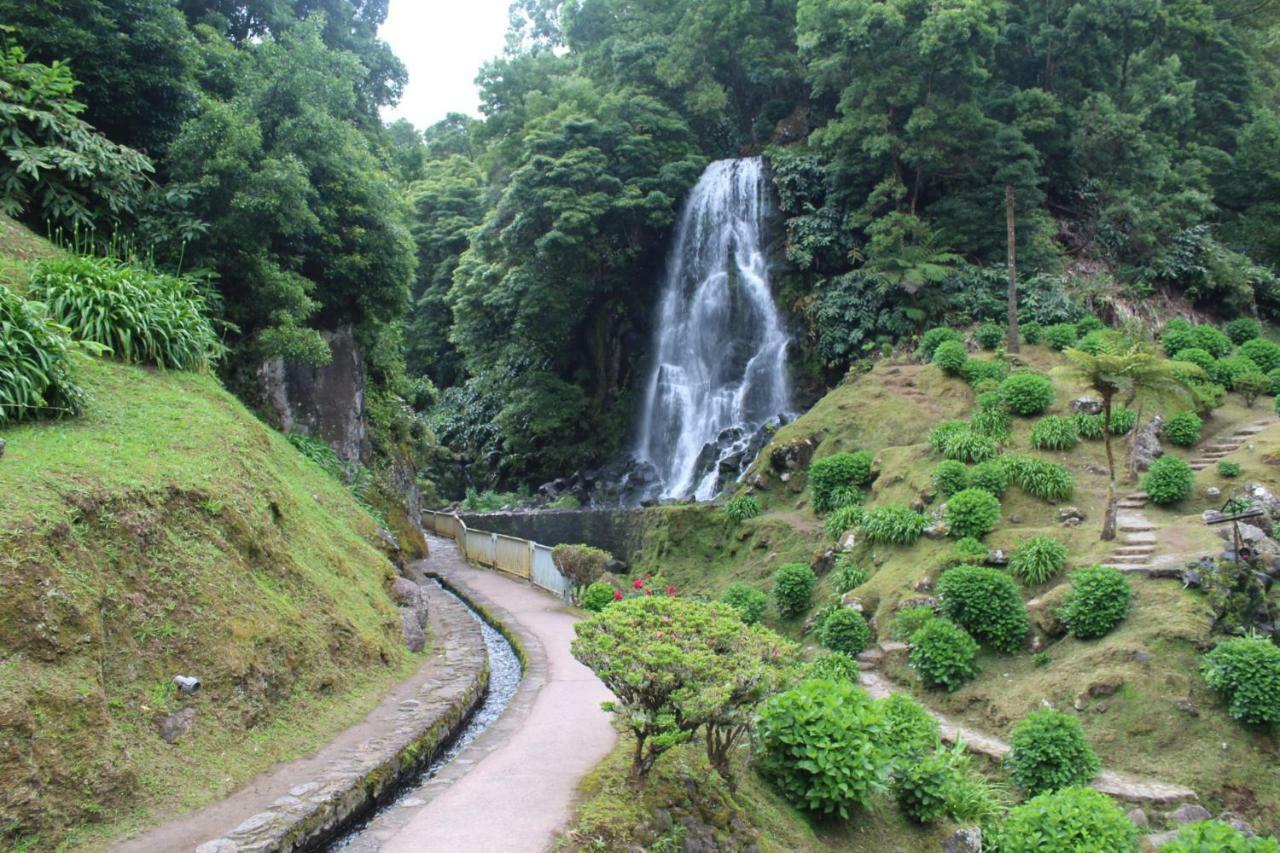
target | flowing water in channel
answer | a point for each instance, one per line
(504, 680)
(719, 372)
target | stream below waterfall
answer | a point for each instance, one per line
(504, 680)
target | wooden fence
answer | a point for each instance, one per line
(517, 557)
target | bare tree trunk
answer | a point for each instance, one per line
(1109, 514)
(1013, 268)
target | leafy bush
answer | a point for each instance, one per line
(820, 746)
(1229, 470)
(990, 476)
(1123, 420)
(747, 600)
(35, 363)
(1048, 752)
(742, 507)
(1098, 342)
(972, 512)
(1089, 324)
(1098, 601)
(1194, 355)
(931, 339)
(988, 335)
(1031, 331)
(1273, 383)
(987, 604)
(1038, 559)
(893, 524)
(1027, 393)
(1040, 478)
(842, 519)
(920, 787)
(581, 564)
(992, 422)
(967, 446)
(977, 371)
(1183, 430)
(1214, 836)
(1168, 480)
(836, 471)
(1250, 386)
(943, 654)
(844, 630)
(833, 666)
(1225, 370)
(842, 496)
(849, 575)
(1089, 427)
(142, 316)
(1059, 336)
(950, 476)
(967, 549)
(941, 434)
(1072, 819)
(1211, 340)
(598, 596)
(1247, 671)
(1054, 433)
(793, 588)
(951, 357)
(908, 620)
(1263, 353)
(910, 730)
(1243, 329)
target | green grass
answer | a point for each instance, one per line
(18, 246)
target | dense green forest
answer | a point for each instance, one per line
(501, 271)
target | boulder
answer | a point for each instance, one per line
(918, 601)
(1189, 813)
(824, 562)
(1086, 406)
(997, 557)
(1238, 823)
(967, 839)
(1071, 515)
(1144, 446)
(1138, 817)
(1043, 612)
(177, 725)
(792, 456)
(415, 639)
(1158, 840)
(937, 530)
(410, 596)
(1213, 493)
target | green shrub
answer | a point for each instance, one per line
(1072, 820)
(1088, 325)
(931, 339)
(747, 600)
(990, 476)
(1098, 601)
(967, 549)
(1194, 355)
(1031, 331)
(834, 666)
(941, 434)
(844, 630)
(1027, 393)
(893, 524)
(742, 507)
(842, 496)
(1183, 430)
(1089, 427)
(36, 379)
(820, 745)
(1247, 671)
(1176, 336)
(581, 564)
(1048, 752)
(920, 787)
(1229, 470)
(836, 471)
(1225, 370)
(967, 446)
(910, 730)
(977, 371)
(1211, 340)
(1214, 836)
(1243, 329)
(1054, 433)
(972, 512)
(1040, 478)
(1038, 559)
(1273, 383)
(1263, 353)
(988, 335)
(992, 422)
(943, 654)
(793, 588)
(951, 357)
(144, 317)
(1250, 386)
(842, 519)
(1168, 480)
(848, 575)
(598, 596)
(1059, 336)
(950, 476)
(986, 603)
(1099, 341)
(1123, 420)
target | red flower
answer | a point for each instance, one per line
(617, 595)
(648, 592)
(639, 584)
(671, 589)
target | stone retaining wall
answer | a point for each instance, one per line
(618, 531)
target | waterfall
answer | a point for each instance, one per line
(719, 353)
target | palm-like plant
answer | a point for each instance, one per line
(904, 252)
(1133, 371)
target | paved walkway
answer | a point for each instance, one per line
(514, 788)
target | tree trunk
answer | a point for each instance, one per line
(1109, 514)
(1013, 345)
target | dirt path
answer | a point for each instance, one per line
(514, 788)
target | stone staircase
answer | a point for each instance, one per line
(1225, 445)
(1137, 535)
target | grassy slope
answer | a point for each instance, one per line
(1140, 729)
(168, 531)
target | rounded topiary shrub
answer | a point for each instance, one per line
(742, 507)
(1048, 751)
(988, 335)
(921, 786)
(986, 603)
(1027, 393)
(793, 588)
(893, 524)
(1168, 480)
(990, 476)
(943, 654)
(598, 596)
(1250, 386)
(837, 471)
(951, 357)
(1210, 339)
(1038, 559)
(972, 512)
(910, 730)
(848, 575)
(1089, 324)
(1263, 353)
(967, 446)
(1054, 433)
(968, 549)
(1243, 329)
(821, 746)
(581, 564)
(1273, 383)
(978, 371)
(1194, 355)
(1183, 429)
(1214, 836)
(1098, 601)
(1059, 336)
(1230, 470)
(844, 630)
(950, 476)
(747, 600)
(1073, 820)
(1226, 370)
(1032, 332)
(834, 666)
(842, 519)
(931, 339)
(1246, 670)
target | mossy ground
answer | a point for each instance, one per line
(18, 246)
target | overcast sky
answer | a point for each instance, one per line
(443, 43)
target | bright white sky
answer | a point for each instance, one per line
(443, 44)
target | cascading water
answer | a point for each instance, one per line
(719, 372)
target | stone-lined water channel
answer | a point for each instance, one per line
(504, 680)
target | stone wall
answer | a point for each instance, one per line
(618, 531)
